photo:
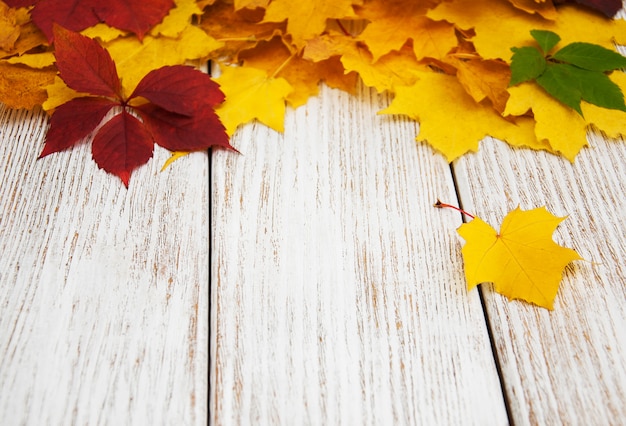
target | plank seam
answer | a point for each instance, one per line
(494, 349)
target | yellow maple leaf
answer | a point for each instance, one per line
(307, 19)
(303, 75)
(451, 121)
(392, 23)
(134, 58)
(562, 127)
(252, 94)
(542, 7)
(522, 260)
(398, 68)
(494, 41)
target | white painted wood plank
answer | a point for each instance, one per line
(103, 290)
(337, 289)
(567, 366)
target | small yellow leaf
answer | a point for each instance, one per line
(522, 260)
(251, 93)
(177, 19)
(134, 58)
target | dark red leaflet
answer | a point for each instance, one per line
(136, 16)
(179, 89)
(177, 132)
(73, 121)
(75, 15)
(122, 145)
(84, 65)
(20, 3)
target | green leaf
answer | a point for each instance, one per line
(527, 63)
(570, 84)
(546, 39)
(590, 57)
(560, 83)
(598, 89)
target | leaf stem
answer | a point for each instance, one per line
(342, 28)
(441, 205)
(283, 65)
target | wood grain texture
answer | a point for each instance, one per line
(567, 366)
(337, 289)
(103, 290)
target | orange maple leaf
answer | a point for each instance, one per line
(522, 260)
(307, 19)
(395, 22)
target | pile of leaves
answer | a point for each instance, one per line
(465, 69)
(534, 73)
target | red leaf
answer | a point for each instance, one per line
(84, 65)
(179, 89)
(136, 16)
(178, 132)
(20, 3)
(75, 15)
(73, 121)
(608, 7)
(122, 145)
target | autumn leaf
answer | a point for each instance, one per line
(136, 16)
(393, 23)
(307, 19)
(252, 94)
(23, 87)
(522, 260)
(172, 106)
(456, 127)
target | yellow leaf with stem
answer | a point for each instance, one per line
(522, 260)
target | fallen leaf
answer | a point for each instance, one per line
(487, 18)
(307, 19)
(23, 87)
(393, 23)
(458, 125)
(303, 75)
(175, 108)
(136, 16)
(252, 94)
(522, 260)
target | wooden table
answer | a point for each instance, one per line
(307, 280)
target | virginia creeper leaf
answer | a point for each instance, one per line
(84, 65)
(546, 39)
(137, 16)
(179, 114)
(522, 260)
(73, 121)
(122, 145)
(560, 83)
(177, 132)
(179, 89)
(527, 63)
(590, 57)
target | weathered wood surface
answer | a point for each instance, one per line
(337, 291)
(103, 290)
